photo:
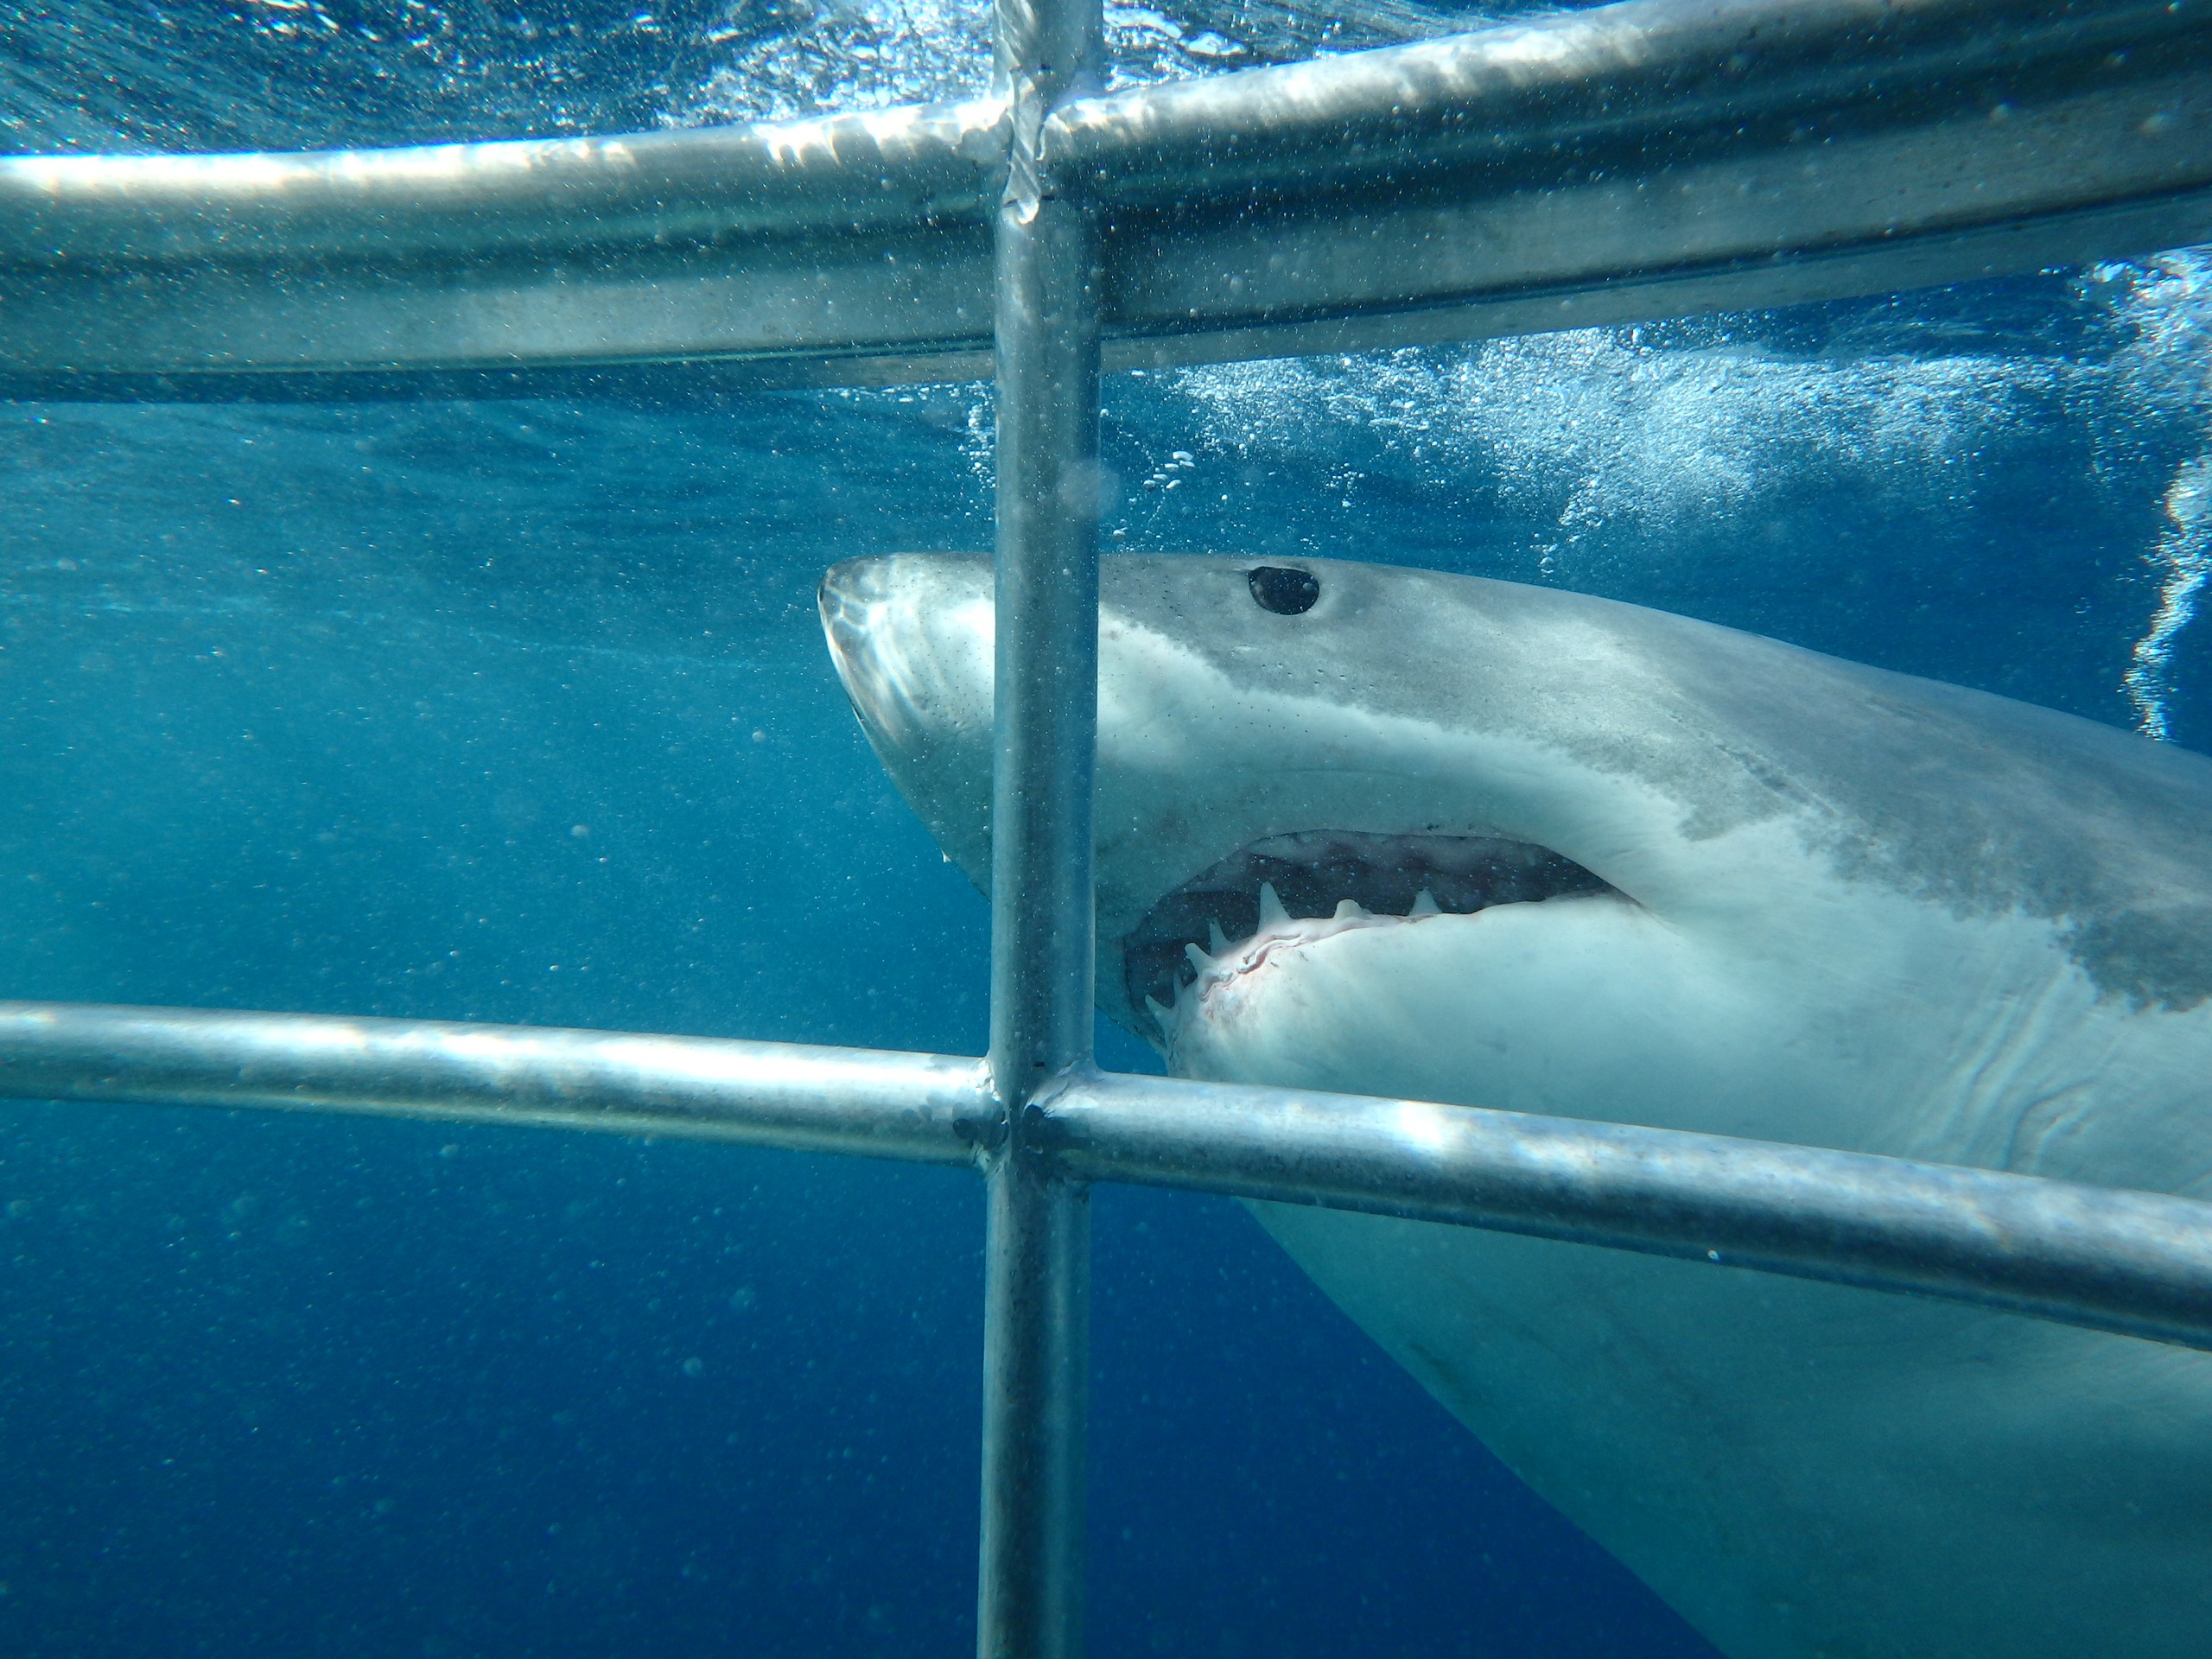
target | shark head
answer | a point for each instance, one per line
(1619, 855)
(1396, 832)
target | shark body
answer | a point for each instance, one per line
(1394, 832)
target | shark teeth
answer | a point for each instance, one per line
(1229, 960)
(1285, 887)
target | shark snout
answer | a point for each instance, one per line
(911, 637)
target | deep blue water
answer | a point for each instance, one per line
(519, 712)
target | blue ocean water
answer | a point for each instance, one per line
(519, 711)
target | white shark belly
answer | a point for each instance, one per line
(1803, 1470)
(1807, 1471)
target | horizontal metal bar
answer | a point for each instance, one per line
(878, 1103)
(1610, 80)
(2135, 1262)
(2138, 1263)
(891, 169)
(1647, 159)
(2108, 173)
(1466, 306)
(860, 309)
(842, 249)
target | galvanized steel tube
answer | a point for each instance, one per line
(2139, 1263)
(1626, 85)
(1613, 163)
(560, 199)
(1029, 1596)
(2134, 1263)
(1036, 1393)
(878, 1103)
(1046, 716)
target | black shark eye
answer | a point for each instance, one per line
(1284, 591)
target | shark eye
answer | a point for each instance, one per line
(1285, 592)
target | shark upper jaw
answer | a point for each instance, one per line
(1642, 910)
(1199, 948)
(1693, 860)
(1237, 823)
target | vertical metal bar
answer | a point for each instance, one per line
(1037, 1254)
(1036, 1352)
(1047, 716)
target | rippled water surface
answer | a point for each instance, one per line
(520, 711)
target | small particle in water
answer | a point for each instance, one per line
(742, 1298)
(581, 831)
(759, 736)
(695, 1366)
(451, 1149)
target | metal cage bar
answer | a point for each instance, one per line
(2135, 1262)
(1647, 159)
(1037, 1247)
(1644, 159)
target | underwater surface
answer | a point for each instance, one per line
(520, 711)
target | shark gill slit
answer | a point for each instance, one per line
(1314, 873)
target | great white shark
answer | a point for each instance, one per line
(1389, 831)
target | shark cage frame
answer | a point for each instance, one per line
(1646, 159)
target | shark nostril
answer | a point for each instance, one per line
(1286, 592)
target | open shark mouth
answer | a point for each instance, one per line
(1295, 889)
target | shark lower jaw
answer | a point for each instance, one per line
(1289, 893)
